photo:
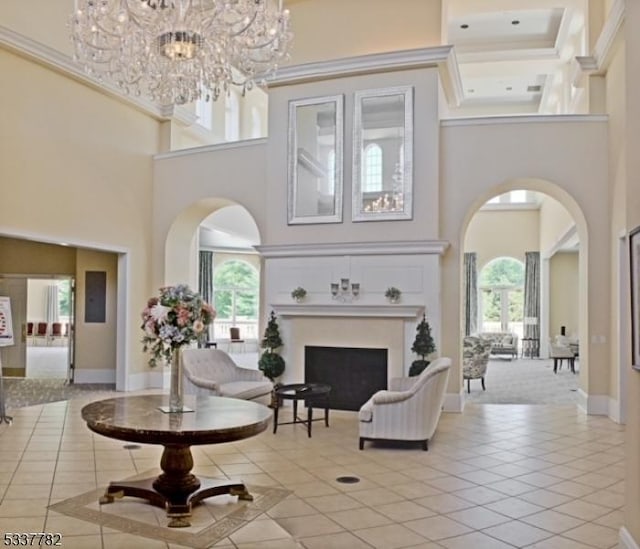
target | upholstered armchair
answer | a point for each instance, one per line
(475, 358)
(410, 410)
(213, 372)
(559, 350)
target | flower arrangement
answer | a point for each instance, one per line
(392, 294)
(298, 293)
(176, 317)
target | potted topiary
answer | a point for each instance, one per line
(423, 346)
(271, 363)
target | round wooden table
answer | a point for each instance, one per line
(213, 421)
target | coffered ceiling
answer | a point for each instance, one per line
(515, 57)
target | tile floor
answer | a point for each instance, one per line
(497, 476)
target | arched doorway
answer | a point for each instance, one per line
(503, 231)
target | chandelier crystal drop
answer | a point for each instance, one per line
(177, 51)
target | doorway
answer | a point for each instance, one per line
(43, 323)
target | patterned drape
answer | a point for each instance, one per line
(470, 293)
(205, 281)
(532, 295)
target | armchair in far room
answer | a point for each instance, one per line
(559, 350)
(410, 410)
(475, 358)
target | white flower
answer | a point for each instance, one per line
(159, 313)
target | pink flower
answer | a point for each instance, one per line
(198, 326)
(183, 316)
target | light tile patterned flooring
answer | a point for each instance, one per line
(496, 476)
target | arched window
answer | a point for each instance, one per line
(235, 289)
(372, 168)
(256, 122)
(501, 282)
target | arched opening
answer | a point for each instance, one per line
(528, 225)
(210, 246)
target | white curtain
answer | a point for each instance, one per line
(51, 305)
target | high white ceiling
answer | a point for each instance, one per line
(515, 61)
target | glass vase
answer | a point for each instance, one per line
(176, 387)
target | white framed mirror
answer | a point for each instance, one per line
(315, 160)
(383, 154)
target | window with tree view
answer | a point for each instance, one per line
(235, 288)
(501, 284)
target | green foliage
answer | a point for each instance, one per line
(503, 278)
(270, 362)
(271, 339)
(503, 271)
(236, 281)
(423, 345)
(64, 297)
(417, 366)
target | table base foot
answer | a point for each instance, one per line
(178, 506)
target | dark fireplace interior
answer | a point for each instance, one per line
(354, 374)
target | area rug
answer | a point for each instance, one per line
(212, 520)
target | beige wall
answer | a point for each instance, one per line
(495, 161)
(80, 171)
(424, 224)
(631, 137)
(563, 294)
(96, 341)
(555, 223)
(502, 233)
(329, 29)
(49, 26)
(23, 257)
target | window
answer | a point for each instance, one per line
(256, 122)
(235, 289)
(232, 117)
(501, 282)
(204, 112)
(372, 168)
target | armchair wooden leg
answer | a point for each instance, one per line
(468, 386)
(482, 379)
(361, 443)
(425, 445)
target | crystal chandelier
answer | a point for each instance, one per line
(177, 51)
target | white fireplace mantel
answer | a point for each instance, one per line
(348, 309)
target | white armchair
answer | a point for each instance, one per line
(410, 410)
(213, 372)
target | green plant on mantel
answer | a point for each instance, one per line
(393, 294)
(299, 293)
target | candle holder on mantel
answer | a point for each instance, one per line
(345, 291)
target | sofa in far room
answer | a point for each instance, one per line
(502, 343)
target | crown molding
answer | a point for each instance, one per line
(598, 62)
(63, 64)
(442, 57)
(406, 247)
(524, 119)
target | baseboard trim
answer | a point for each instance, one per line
(626, 540)
(94, 376)
(614, 410)
(593, 405)
(453, 402)
(155, 379)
